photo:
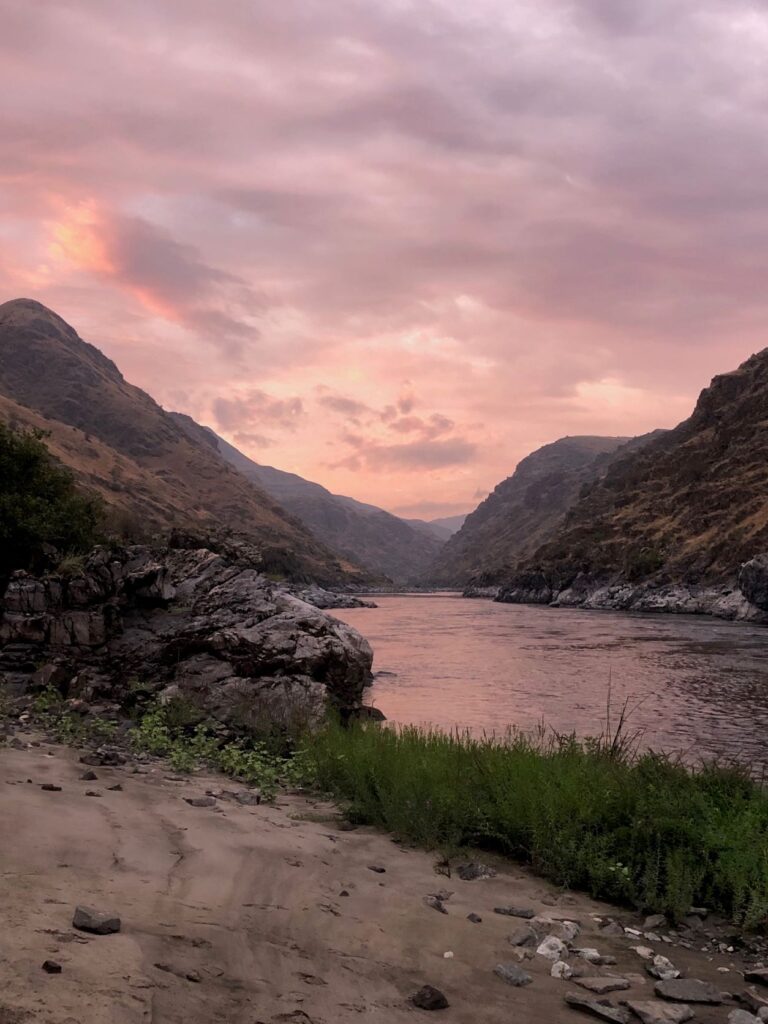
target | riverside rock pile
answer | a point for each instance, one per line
(188, 623)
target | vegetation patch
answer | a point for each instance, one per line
(639, 829)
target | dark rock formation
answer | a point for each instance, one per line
(185, 623)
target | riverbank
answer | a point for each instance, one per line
(279, 914)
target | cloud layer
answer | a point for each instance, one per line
(397, 243)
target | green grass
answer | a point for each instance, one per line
(641, 830)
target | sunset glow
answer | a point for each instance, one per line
(394, 247)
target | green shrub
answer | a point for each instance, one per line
(39, 504)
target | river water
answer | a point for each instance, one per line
(696, 686)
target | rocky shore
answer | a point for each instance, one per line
(745, 598)
(131, 893)
(138, 623)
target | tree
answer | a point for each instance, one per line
(40, 504)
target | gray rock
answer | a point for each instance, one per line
(753, 581)
(602, 986)
(436, 903)
(429, 998)
(512, 974)
(612, 929)
(553, 948)
(524, 912)
(474, 870)
(200, 801)
(759, 976)
(51, 967)
(650, 1011)
(474, 918)
(98, 922)
(742, 1017)
(92, 792)
(651, 924)
(601, 1010)
(523, 936)
(377, 868)
(688, 990)
(248, 798)
(89, 776)
(49, 787)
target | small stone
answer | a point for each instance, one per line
(523, 936)
(524, 912)
(742, 1017)
(51, 967)
(688, 990)
(762, 1013)
(474, 918)
(590, 955)
(560, 969)
(602, 986)
(248, 798)
(200, 801)
(760, 976)
(344, 892)
(654, 922)
(89, 776)
(567, 931)
(643, 951)
(377, 868)
(429, 998)
(603, 1011)
(663, 969)
(652, 1012)
(435, 903)
(553, 948)
(96, 921)
(92, 792)
(448, 955)
(512, 974)
(115, 789)
(613, 929)
(472, 871)
(49, 787)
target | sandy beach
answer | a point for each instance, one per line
(262, 914)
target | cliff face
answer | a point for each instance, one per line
(123, 446)
(687, 510)
(364, 534)
(522, 511)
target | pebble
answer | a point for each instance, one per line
(92, 792)
(603, 1011)
(653, 1012)
(200, 801)
(474, 918)
(429, 998)
(560, 969)
(602, 986)
(377, 868)
(89, 776)
(688, 990)
(553, 948)
(473, 870)
(435, 903)
(49, 787)
(523, 936)
(512, 974)
(524, 912)
(663, 969)
(115, 789)
(51, 967)
(97, 922)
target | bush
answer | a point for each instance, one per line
(40, 506)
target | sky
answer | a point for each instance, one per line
(394, 245)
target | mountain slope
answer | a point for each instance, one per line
(523, 509)
(365, 534)
(121, 444)
(690, 506)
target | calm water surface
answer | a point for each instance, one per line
(698, 685)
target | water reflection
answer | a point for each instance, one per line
(700, 685)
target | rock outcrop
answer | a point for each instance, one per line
(182, 622)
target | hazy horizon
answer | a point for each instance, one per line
(394, 246)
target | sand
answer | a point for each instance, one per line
(243, 909)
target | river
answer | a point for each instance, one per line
(697, 686)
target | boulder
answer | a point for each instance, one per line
(688, 990)
(98, 922)
(651, 1011)
(429, 998)
(753, 581)
(512, 974)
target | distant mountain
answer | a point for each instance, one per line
(689, 507)
(122, 445)
(362, 533)
(523, 510)
(450, 523)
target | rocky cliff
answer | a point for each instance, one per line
(679, 524)
(123, 446)
(523, 510)
(364, 534)
(138, 624)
